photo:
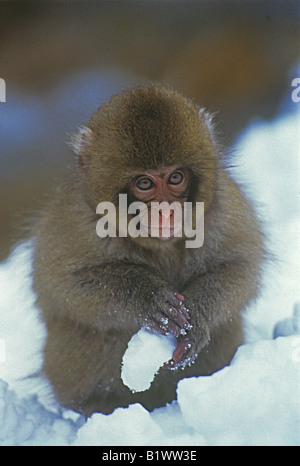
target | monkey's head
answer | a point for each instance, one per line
(150, 143)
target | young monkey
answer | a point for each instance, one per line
(154, 145)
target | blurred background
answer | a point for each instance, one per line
(60, 60)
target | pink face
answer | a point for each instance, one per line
(169, 184)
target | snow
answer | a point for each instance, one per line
(289, 326)
(254, 401)
(262, 387)
(138, 370)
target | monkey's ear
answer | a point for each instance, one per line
(206, 118)
(79, 142)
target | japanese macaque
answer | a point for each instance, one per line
(154, 145)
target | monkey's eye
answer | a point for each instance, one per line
(175, 178)
(144, 183)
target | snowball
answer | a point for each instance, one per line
(145, 354)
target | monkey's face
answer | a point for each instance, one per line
(169, 185)
(152, 144)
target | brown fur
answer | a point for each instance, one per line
(96, 293)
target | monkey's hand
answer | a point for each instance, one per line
(188, 348)
(170, 316)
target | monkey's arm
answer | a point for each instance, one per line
(213, 299)
(114, 295)
(233, 256)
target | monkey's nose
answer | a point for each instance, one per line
(166, 218)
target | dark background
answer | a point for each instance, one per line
(61, 59)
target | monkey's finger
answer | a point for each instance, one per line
(183, 346)
(180, 354)
(172, 364)
(169, 364)
(178, 304)
(167, 325)
(185, 312)
(171, 327)
(178, 317)
(164, 327)
(179, 296)
(155, 327)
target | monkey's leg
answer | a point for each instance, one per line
(84, 367)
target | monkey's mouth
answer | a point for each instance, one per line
(164, 233)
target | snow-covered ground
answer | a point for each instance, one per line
(254, 401)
